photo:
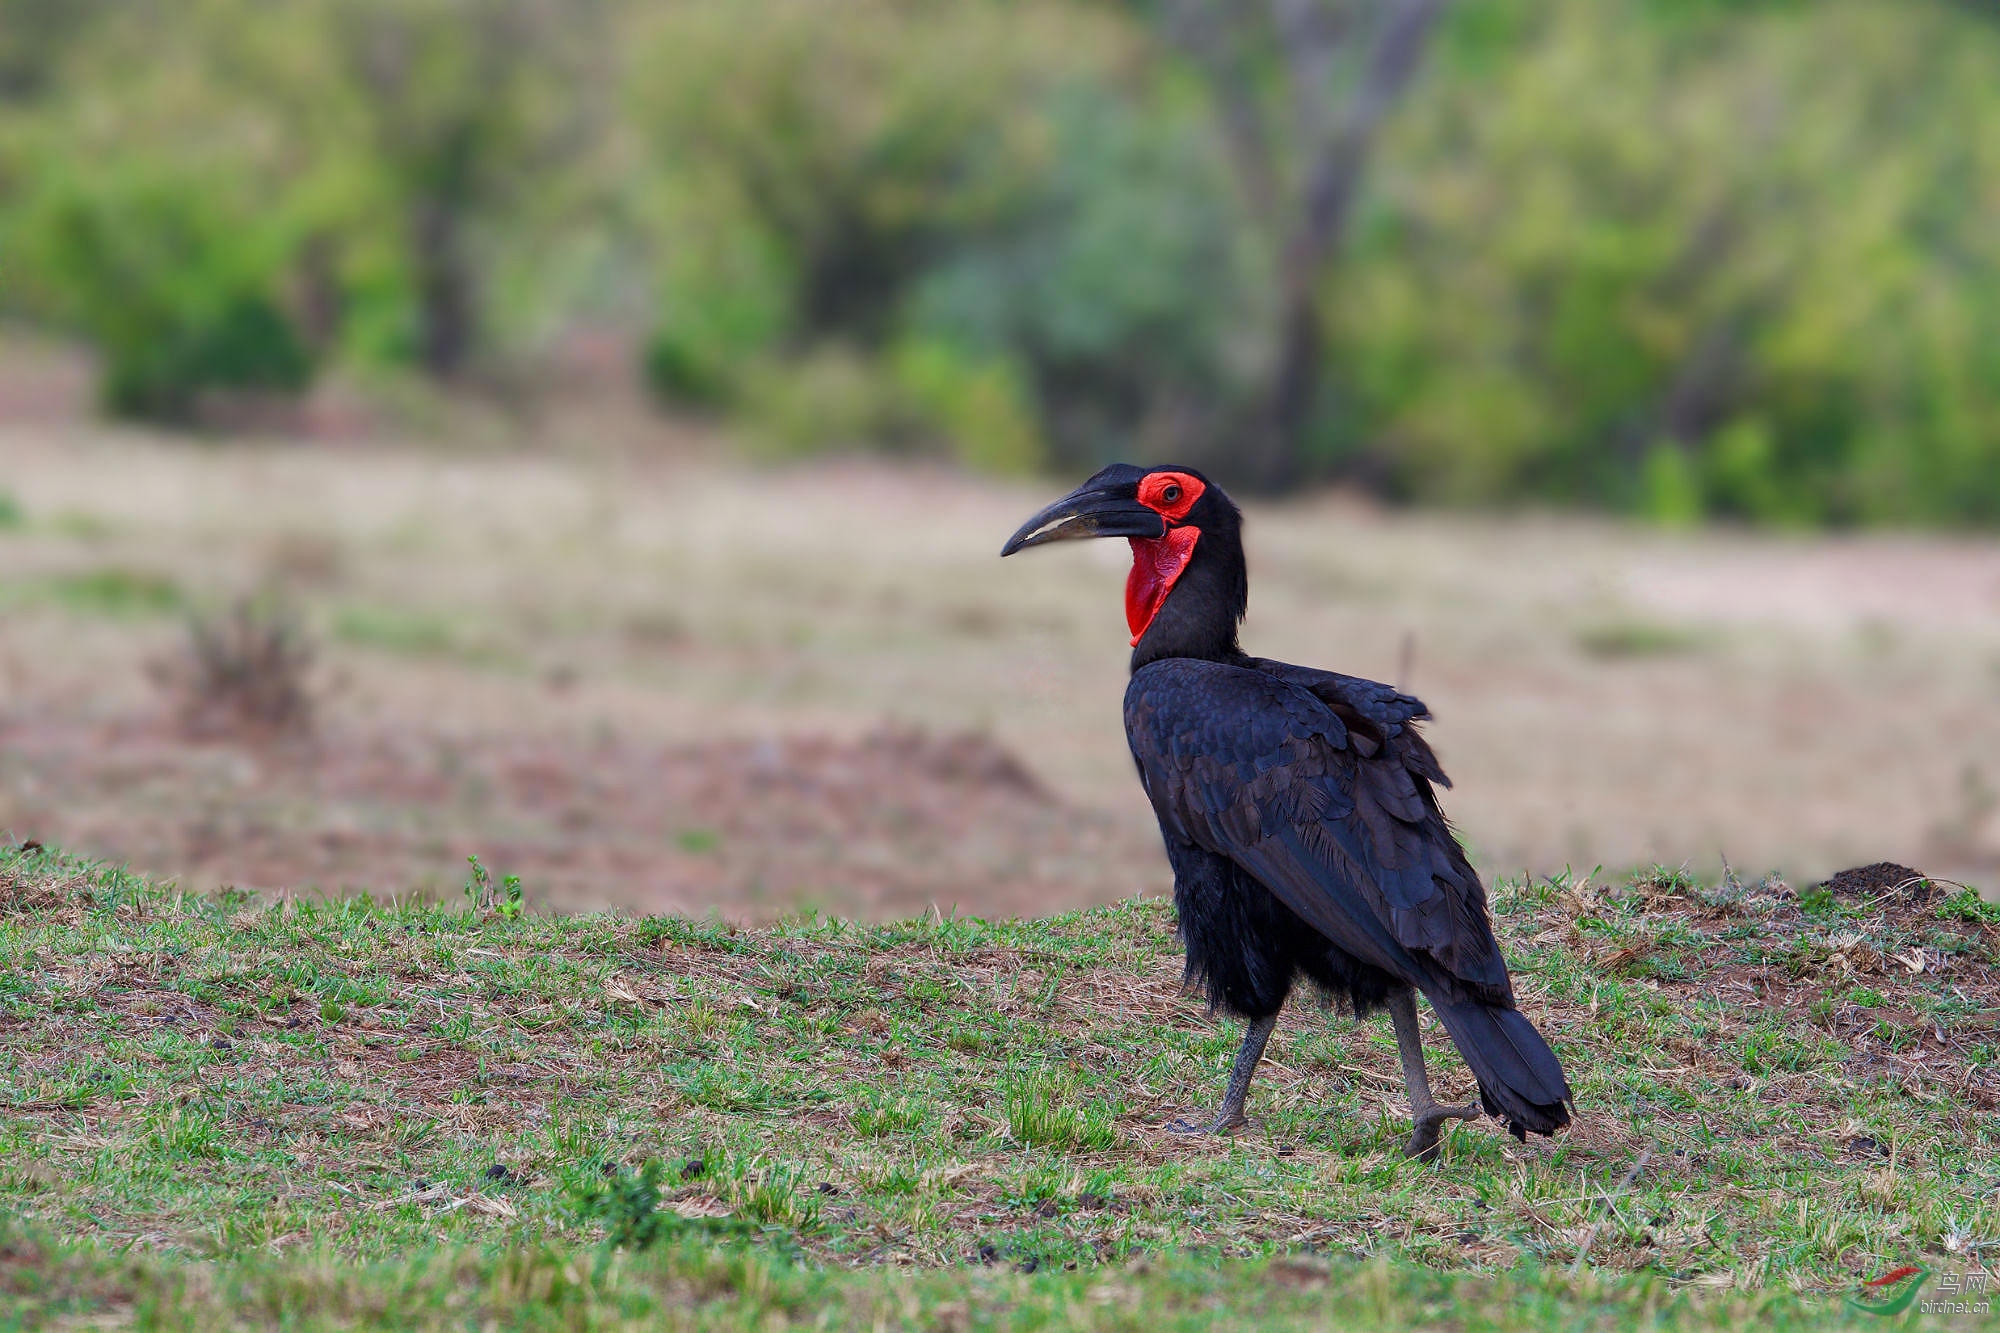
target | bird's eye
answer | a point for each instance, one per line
(1171, 495)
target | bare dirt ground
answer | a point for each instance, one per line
(641, 675)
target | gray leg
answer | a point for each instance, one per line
(1425, 1114)
(1231, 1113)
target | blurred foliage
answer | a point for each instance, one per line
(822, 163)
(184, 184)
(1743, 259)
(1678, 257)
(173, 276)
(1124, 289)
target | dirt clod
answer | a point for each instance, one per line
(1881, 877)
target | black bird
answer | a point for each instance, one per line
(1299, 816)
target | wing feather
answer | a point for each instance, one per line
(1321, 788)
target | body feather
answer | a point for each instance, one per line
(1315, 791)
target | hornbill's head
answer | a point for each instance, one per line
(1166, 513)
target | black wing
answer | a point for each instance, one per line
(1319, 786)
(1382, 713)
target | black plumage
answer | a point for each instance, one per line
(1300, 815)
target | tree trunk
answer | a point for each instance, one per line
(1338, 145)
(444, 289)
(1274, 456)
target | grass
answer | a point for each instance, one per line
(112, 591)
(339, 1112)
(692, 1284)
(1618, 639)
(394, 630)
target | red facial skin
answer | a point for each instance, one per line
(1158, 561)
(1153, 494)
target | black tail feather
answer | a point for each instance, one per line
(1520, 1078)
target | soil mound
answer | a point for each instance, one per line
(1883, 877)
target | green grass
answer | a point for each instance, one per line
(413, 633)
(692, 1284)
(697, 841)
(418, 1115)
(112, 591)
(1616, 639)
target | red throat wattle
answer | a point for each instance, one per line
(1156, 563)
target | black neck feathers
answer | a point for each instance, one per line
(1200, 616)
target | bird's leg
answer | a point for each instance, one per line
(1426, 1116)
(1230, 1115)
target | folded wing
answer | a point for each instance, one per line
(1319, 785)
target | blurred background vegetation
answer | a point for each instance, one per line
(1685, 258)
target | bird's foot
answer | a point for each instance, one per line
(1224, 1122)
(1425, 1121)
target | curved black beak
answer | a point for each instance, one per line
(1088, 512)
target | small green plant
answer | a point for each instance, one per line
(780, 1196)
(1665, 879)
(697, 841)
(981, 406)
(699, 1020)
(631, 1206)
(503, 900)
(81, 526)
(889, 1115)
(628, 1204)
(1967, 905)
(1044, 1111)
(830, 398)
(11, 513)
(186, 1132)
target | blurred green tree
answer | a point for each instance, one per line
(35, 40)
(468, 107)
(818, 159)
(1688, 259)
(141, 221)
(1301, 90)
(386, 156)
(174, 277)
(1121, 284)
(432, 136)
(1680, 257)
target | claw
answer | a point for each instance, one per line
(1222, 1124)
(1425, 1123)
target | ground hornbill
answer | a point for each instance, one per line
(1299, 816)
